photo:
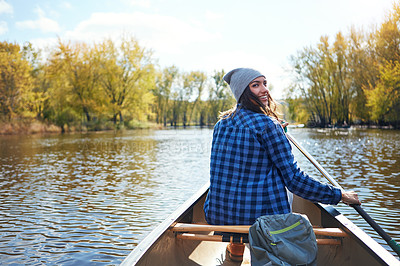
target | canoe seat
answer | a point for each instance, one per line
(239, 233)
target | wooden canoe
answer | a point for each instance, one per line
(184, 238)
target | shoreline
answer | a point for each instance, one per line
(37, 128)
(27, 128)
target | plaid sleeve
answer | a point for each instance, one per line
(279, 150)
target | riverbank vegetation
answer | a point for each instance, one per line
(76, 86)
(353, 79)
(107, 85)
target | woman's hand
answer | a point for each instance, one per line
(284, 124)
(350, 197)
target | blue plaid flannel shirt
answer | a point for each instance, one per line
(251, 165)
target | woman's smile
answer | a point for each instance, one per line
(259, 87)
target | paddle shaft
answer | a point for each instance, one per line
(391, 242)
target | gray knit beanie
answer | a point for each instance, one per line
(239, 78)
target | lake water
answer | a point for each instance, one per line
(84, 199)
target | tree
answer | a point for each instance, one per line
(387, 37)
(34, 99)
(383, 96)
(384, 99)
(127, 78)
(364, 73)
(15, 80)
(219, 98)
(297, 111)
(180, 96)
(324, 81)
(162, 92)
(341, 81)
(76, 69)
(59, 107)
(194, 83)
(311, 68)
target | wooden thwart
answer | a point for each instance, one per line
(218, 238)
(244, 229)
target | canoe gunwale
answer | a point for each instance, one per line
(154, 235)
(362, 238)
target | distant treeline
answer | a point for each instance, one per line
(117, 84)
(105, 85)
(354, 80)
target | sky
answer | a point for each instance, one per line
(202, 35)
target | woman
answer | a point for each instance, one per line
(252, 165)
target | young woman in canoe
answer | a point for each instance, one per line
(252, 165)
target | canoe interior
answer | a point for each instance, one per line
(161, 247)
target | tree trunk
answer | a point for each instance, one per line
(184, 120)
(86, 111)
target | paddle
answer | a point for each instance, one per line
(391, 242)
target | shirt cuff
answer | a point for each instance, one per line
(337, 196)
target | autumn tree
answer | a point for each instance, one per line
(127, 78)
(35, 97)
(15, 81)
(178, 106)
(194, 84)
(341, 80)
(357, 77)
(219, 98)
(312, 81)
(76, 70)
(324, 81)
(383, 96)
(165, 81)
(384, 99)
(364, 73)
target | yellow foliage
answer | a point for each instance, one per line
(384, 98)
(15, 81)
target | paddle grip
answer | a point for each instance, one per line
(396, 247)
(285, 128)
(392, 243)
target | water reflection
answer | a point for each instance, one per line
(84, 199)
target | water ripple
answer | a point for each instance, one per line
(89, 199)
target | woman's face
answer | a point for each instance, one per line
(259, 87)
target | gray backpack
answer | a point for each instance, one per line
(283, 239)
